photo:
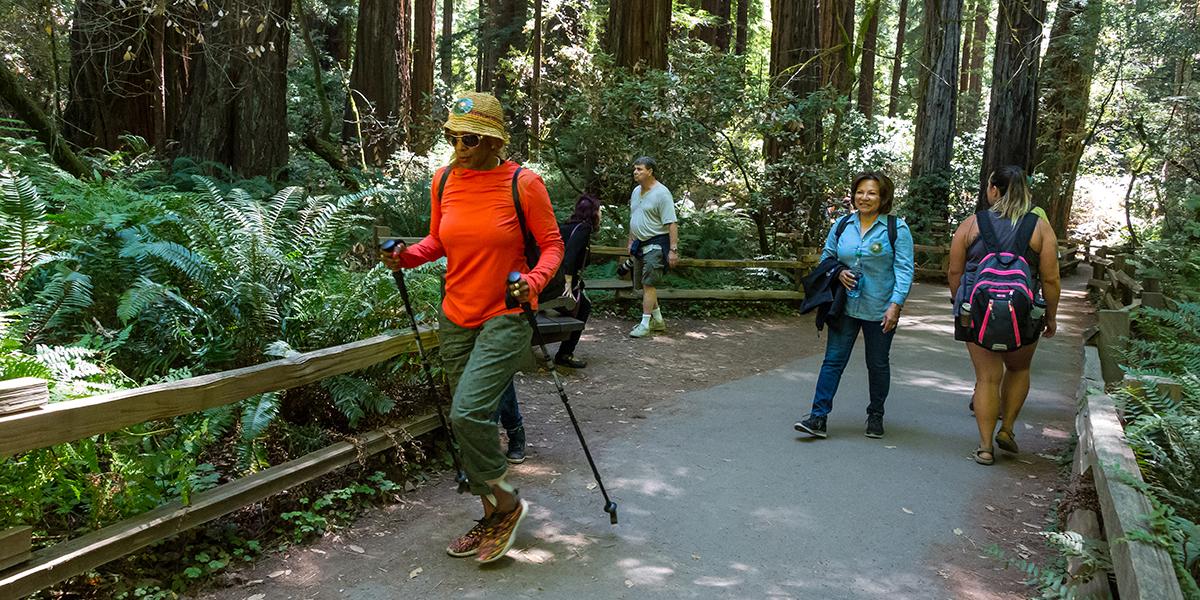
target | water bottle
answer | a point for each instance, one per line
(857, 271)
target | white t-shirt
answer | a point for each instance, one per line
(650, 213)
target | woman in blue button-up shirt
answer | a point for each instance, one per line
(877, 279)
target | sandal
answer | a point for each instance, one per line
(979, 452)
(1007, 443)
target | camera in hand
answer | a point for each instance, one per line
(625, 267)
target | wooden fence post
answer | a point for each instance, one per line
(1114, 328)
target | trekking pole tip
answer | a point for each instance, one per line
(610, 507)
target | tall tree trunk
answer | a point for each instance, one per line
(897, 61)
(934, 145)
(14, 96)
(743, 27)
(970, 106)
(716, 34)
(115, 87)
(795, 67)
(503, 31)
(964, 65)
(837, 44)
(446, 44)
(338, 32)
(236, 110)
(379, 82)
(535, 108)
(1012, 117)
(1067, 73)
(423, 129)
(638, 31)
(866, 71)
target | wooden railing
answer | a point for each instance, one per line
(1142, 570)
(78, 419)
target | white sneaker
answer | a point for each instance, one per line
(640, 331)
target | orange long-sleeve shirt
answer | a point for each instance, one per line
(475, 227)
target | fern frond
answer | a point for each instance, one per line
(258, 412)
(144, 294)
(356, 397)
(67, 294)
(22, 222)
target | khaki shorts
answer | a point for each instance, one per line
(648, 269)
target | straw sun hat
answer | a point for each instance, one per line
(478, 113)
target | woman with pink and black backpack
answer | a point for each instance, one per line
(1003, 276)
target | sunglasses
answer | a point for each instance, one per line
(468, 140)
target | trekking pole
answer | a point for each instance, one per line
(461, 476)
(610, 507)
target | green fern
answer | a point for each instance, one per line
(23, 225)
(67, 294)
(356, 398)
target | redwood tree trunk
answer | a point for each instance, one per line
(638, 31)
(717, 34)
(1012, 117)
(422, 75)
(114, 84)
(1067, 75)
(236, 110)
(379, 82)
(446, 44)
(795, 44)
(897, 61)
(933, 148)
(743, 27)
(535, 107)
(970, 105)
(503, 25)
(837, 44)
(866, 71)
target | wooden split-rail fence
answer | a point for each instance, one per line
(23, 572)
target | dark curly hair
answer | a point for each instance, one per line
(587, 210)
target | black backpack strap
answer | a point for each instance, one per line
(841, 226)
(893, 232)
(516, 194)
(986, 232)
(1025, 231)
(442, 184)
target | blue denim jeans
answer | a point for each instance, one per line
(509, 413)
(843, 332)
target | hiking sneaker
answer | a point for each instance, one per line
(570, 362)
(640, 331)
(814, 426)
(468, 543)
(875, 426)
(657, 324)
(499, 535)
(516, 446)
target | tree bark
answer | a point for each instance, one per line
(236, 110)
(638, 31)
(743, 27)
(24, 108)
(446, 44)
(795, 67)
(716, 34)
(1012, 117)
(866, 72)
(503, 31)
(897, 61)
(1067, 73)
(535, 108)
(423, 129)
(114, 82)
(936, 112)
(964, 65)
(837, 44)
(971, 91)
(338, 32)
(379, 82)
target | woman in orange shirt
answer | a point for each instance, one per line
(484, 338)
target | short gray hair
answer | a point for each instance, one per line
(645, 161)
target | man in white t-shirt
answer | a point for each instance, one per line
(653, 241)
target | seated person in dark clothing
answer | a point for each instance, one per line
(577, 237)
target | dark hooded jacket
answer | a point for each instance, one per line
(824, 292)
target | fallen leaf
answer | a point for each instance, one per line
(695, 557)
(278, 574)
(358, 549)
(958, 531)
(591, 486)
(413, 573)
(890, 447)
(906, 510)
(1028, 462)
(318, 551)
(256, 597)
(1028, 426)
(990, 508)
(629, 583)
(1030, 525)
(1032, 476)
(944, 573)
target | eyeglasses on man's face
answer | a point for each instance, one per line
(468, 140)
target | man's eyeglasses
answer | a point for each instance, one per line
(469, 140)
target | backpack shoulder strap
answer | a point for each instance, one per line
(893, 231)
(442, 184)
(1025, 230)
(841, 226)
(986, 232)
(516, 195)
